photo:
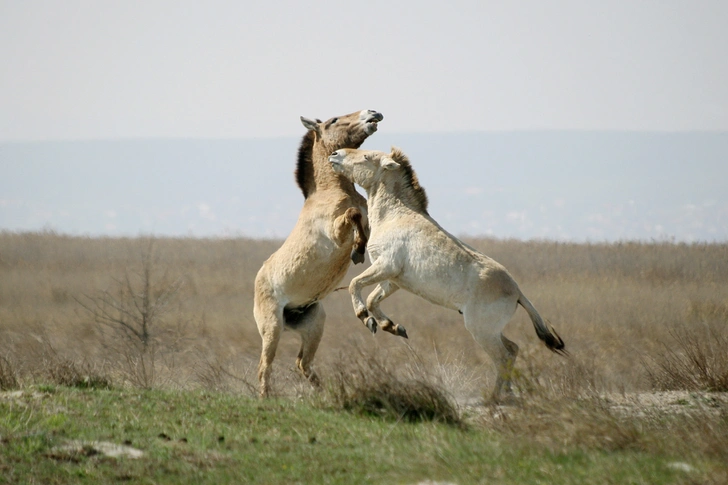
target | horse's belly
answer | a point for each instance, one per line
(304, 272)
(440, 291)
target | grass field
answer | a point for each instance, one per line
(638, 319)
(202, 437)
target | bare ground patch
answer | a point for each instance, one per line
(645, 404)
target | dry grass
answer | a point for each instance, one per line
(635, 318)
(8, 379)
(42, 277)
(562, 418)
(614, 305)
(368, 384)
(696, 359)
(72, 374)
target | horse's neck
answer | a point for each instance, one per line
(383, 204)
(324, 177)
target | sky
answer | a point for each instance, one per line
(557, 185)
(551, 73)
(88, 69)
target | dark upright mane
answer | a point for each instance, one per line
(304, 165)
(414, 194)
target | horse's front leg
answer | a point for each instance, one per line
(374, 274)
(349, 221)
(382, 291)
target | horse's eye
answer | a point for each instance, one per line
(334, 120)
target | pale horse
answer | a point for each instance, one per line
(410, 250)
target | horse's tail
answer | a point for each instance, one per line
(545, 332)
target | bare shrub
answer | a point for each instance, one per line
(564, 409)
(49, 366)
(366, 384)
(562, 422)
(8, 376)
(569, 408)
(214, 375)
(696, 359)
(42, 363)
(132, 319)
(81, 375)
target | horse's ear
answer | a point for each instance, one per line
(389, 164)
(311, 124)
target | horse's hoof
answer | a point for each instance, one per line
(357, 257)
(402, 332)
(372, 325)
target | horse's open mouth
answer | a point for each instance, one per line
(371, 122)
(375, 118)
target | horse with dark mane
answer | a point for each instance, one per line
(331, 228)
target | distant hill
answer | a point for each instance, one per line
(597, 186)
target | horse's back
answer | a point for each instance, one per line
(439, 267)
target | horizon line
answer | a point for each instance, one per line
(403, 133)
(49, 231)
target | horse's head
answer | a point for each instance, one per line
(363, 167)
(348, 131)
(370, 168)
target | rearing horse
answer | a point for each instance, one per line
(410, 250)
(331, 228)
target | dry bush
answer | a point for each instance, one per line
(211, 373)
(132, 319)
(82, 375)
(47, 365)
(42, 275)
(8, 377)
(574, 377)
(696, 359)
(43, 364)
(369, 385)
(563, 423)
(564, 407)
(561, 417)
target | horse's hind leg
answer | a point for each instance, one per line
(311, 329)
(375, 273)
(486, 326)
(510, 361)
(503, 352)
(382, 291)
(269, 318)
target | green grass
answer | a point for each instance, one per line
(202, 437)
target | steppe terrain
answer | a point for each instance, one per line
(646, 325)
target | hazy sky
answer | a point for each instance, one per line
(74, 69)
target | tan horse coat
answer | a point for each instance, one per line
(315, 256)
(410, 250)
